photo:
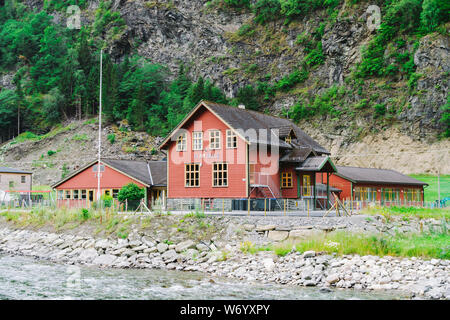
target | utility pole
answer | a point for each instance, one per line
(99, 130)
(18, 119)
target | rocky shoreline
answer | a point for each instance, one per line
(412, 277)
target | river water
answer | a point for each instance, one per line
(26, 278)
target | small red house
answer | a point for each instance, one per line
(220, 151)
(380, 186)
(79, 189)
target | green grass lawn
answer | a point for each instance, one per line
(431, 192)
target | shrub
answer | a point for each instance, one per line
(434, 12)
(50, 153)
(85, 214)
(380, 109)
(266, 10)
(131, 193)
(237, 3)
(112, 138)
(107, 201)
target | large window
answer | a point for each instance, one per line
(220, 175)
(286, 180)
(23, 179)
(214, 139)
(231, 139)
(60, 194)
(365, 194)
(115, 193)
(197, 140)
(68, 194)
(192, 175)
(390, 194)
(412, 195)
(307, 186)
(76, 194)
(181, 142)
(83, 194)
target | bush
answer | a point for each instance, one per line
(266, 10)
(237, 3)
(50, 153)
(131, 193)
(85, 214)
(107, 201)
(380, 109)
(112, 138)
(434, 12)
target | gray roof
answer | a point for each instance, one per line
(158, 171)
(248, 119)
(12, 170)
(149, 173)
(316, 164)
(372, 175)
(134, 168)
(255, 127)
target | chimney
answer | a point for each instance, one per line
(241, 106)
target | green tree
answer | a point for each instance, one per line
(131, 193)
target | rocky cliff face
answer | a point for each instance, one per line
(206, 38)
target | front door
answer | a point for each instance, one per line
(91, 195)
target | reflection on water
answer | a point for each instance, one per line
(27, 278)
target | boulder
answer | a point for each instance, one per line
(332, 278)
(162, 247)
(183, 246)
(88, 255)
(303, 233)
(269, 265)
(309, 254)
(265, 228)
(248, 227)
(105, 260)
(169, 256)
(202, 247)
(275, 235)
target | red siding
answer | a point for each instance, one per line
(87, 180)
(345, 185)
(236, 159)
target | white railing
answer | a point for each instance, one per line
(262, 179)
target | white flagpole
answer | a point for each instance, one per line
(99, 131)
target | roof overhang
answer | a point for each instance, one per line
(204, 104)
(319, 167)
(91, 164)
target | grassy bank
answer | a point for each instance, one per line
(109, 223)
(409, 212)
(431, 192)
(434, 244)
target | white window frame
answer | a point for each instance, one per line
(197, 140)
(214, 139)
(182, 142)
(231, 139)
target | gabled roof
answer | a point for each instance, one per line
(243, 120)
(147, 173)
(316, 164)
(136, 169)
(12, 170)
(158, 170)
(372, 175)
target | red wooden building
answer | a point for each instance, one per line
(379, 186)
(220, 151)
(79, 189)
